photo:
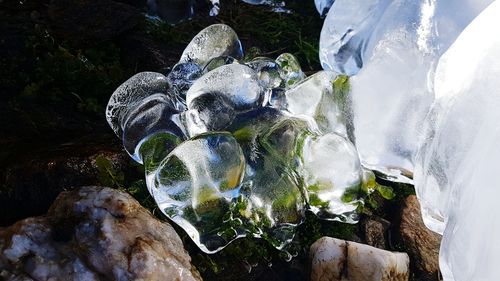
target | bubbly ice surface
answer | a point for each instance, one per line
(213, 41)
(130, 93)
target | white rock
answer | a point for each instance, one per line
(339, 260)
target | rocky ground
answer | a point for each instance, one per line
(59, 63)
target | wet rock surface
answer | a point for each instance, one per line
(335, 259)
(375, 231)
(421, 243)
(94, 233)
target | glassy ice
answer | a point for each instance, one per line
(457, 164)
(234, 148)
(391, 48)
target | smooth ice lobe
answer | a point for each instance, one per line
(131, 92)
(331, 168)
(213, 41)
(238, 83)
(196, 182)
(314, 98)
(457, 165)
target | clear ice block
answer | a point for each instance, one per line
(458, 161)
(391, 48)
(213, 41)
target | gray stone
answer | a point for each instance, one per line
(94, 233)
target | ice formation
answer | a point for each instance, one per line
(440, 123)
(457, 164)
(232, 148)
(391, 49)
(323, 6)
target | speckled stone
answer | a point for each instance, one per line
(94, 233)
(339, 260)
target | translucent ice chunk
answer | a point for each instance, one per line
(213, 41)
(291, 71)
(457, 165)
(269, 144)
(354, 28)
(209, 112)
(130, 93)
(194, 185)
(155, 113)
(267, 70)
(183, 75)
(217, 62)
(238, 83)
(323, 6)
(214, 10)
(316, 98)
(332, 174)
(397, 43)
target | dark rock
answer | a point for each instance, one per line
(375, 231)
(92, 21)
(421, 243)
(94, 233)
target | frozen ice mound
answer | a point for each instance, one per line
(456, 165)
(420, 106)
(234, 148)
(391, 48)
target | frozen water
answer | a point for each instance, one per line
(209, 112)
(234, 148)
(244, 92)
(268, 70)
(217, 62)
(323, 6)
(182, 76)
(213, 41)
(457, 164)
(291, 71)
(195, 184)
(130, 93)
(333, 176)
(155, 113)
(396, 45)
(315, 98)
